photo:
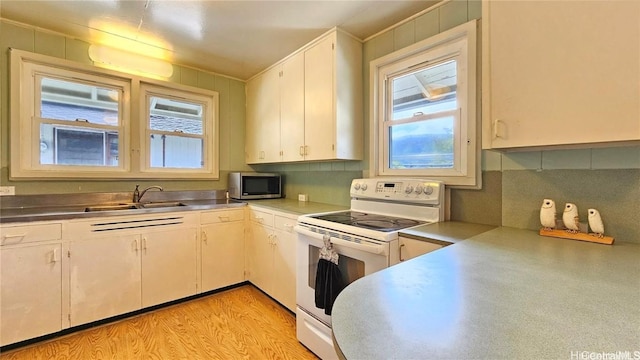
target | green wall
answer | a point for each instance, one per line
(514, 184)
(231, 112)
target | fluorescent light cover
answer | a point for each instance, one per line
(130, 62)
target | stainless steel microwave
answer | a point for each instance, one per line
(252, 185)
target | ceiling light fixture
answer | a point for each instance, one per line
(129, 62)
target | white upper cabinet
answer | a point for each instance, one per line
(292, 108)
(309, 106)
(263, 118)
(560, 73)
(333, 98)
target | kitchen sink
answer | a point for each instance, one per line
(160, 204)
(111, 207)
(134, 206)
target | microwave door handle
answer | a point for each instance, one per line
(370, 248)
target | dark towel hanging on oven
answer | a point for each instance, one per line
(328, 277)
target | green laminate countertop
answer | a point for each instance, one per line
(296, 207)
(503, 294)
(445, 232)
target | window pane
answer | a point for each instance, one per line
(66, 100)
(169, 151)
(422, 145)
(76, 146)
(427, 90)
(175, 116)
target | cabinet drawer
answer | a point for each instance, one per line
(212, 217)
(262, 217)
(30, 233)
(285, 223)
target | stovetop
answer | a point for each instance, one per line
(368, 221)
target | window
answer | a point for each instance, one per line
(176, 131)
(76, 121)
(423, 102)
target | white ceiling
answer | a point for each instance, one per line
(235, 38)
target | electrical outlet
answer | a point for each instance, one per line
(7, 190)
(303, 197)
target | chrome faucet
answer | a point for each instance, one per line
(137, 194)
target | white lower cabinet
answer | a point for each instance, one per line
(271, 254)
(284, 260)
(104, 277)
(56, 275)
(168, 265)
(118, 265)
(410, 248)
(31, 300)
(222, 248)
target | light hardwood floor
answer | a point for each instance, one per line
(240, 323)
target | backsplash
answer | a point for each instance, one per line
(615, 193)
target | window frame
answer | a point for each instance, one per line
(459, 43)
(210, 129)
(24, 128)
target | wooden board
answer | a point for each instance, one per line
(608, 240)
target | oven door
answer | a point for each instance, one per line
(355, 261)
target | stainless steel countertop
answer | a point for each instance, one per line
(29, 208)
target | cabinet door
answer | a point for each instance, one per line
(284, 262)
(410, 248)
(222, 252)
(168, 265)
(319, 107)
(31, 292)
(104, 277)
(263, 118)
(252, 122)
(292, 108)
(562, 79)
(260, 253)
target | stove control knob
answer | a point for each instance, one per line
(364, 187)
(409, 189)
(356, 186)
(428, 190)
(419, 189)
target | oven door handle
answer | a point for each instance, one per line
(370, 248)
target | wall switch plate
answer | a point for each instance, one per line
(303, 197)
(7, 190)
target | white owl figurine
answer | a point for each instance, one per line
(595, 222)
(548, 214)
(570, 218)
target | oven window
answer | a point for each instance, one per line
(351, 269)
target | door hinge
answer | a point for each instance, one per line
(333, 46)
(69, 317)
(68, 253)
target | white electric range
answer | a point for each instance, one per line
(365, 238)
